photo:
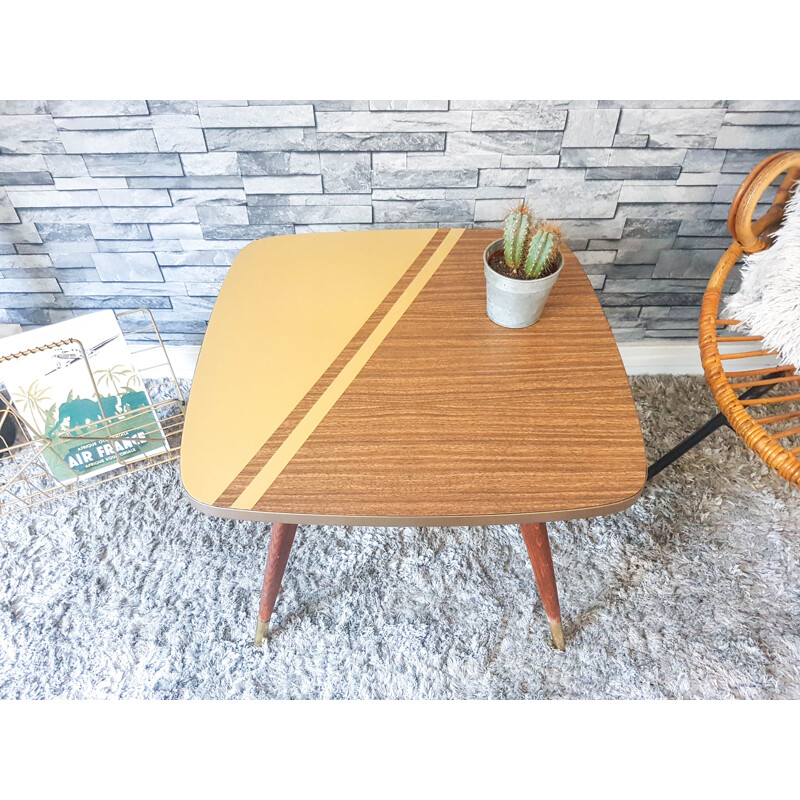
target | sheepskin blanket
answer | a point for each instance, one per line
(768, 302)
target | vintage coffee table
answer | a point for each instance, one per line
(355, 379)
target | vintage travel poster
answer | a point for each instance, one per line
(91, 429)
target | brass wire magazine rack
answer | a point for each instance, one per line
(26, 481)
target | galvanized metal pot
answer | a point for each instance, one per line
(513, 302)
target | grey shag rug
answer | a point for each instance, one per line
(694, 592)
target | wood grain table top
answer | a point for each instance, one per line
(354, 378)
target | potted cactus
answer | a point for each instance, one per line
(521, 269)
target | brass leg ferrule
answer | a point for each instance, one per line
(261, 632)
(558, 634)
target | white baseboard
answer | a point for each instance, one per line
(661, 358)
(183, 358)
(640, 358)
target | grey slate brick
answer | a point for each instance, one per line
(394, 122)
(651, 228)
(134, 197)
(566, 199)
(590, 127)
(111, 231)
(694, 211)
(176, 230)
(283, 184)
(153, 214)
(743, 161)
(383, 178)
(633, 173)
(630, 140)
(180, 140)
(624, 157)
(223, 232)
(22, 107)
(191, 182)
(137, 245)
(503, 177)
(784, 137)
(66, 166)
(453, 211)
(692, 263)
(682, 121)
(145, 164)
(285, 163)
(109, 141)
(702, 228)
(291, 116)
(397, 105)
(703, 161)
(585, 157)
(204, 197)
(215, 215)
(55, 232)
(340, 105)
(197, 257)
(127, 267)
(285, 215)
(380, 142)
(526, 162)
(17, 128)
(26, 285)
(535, 119)
(638, 193)
(172, 106)
(52, 198)
(19, 233)
(25, 178)
(210, 164)
(260, 139)
(22, 163)
(96, 108)
(763, 118)
(346, 172)
(432, 161)
(512, 143)
(676, 141)
(91, 214)
(24, 262)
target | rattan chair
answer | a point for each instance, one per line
(765, 423)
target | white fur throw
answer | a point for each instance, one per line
(768, 302)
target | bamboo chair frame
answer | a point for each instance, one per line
(749, 236)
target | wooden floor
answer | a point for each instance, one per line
(449, 419)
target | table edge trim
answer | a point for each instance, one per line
(481, 520)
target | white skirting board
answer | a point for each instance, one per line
(640, 358)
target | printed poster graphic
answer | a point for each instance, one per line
(91, 430)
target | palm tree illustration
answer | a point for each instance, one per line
(110, 376)
(33, 400)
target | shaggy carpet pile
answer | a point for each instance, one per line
(694, 592)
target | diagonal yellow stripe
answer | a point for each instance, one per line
(295, 440)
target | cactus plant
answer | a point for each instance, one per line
(528, 245)
(515, 232)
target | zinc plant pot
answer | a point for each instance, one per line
(515, 302)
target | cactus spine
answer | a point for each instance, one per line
(540, 251)
(514, 235)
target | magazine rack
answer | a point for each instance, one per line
(26, 481)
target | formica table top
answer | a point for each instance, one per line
(354, 378)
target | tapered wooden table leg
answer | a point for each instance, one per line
(280, 545)
(535, 536)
